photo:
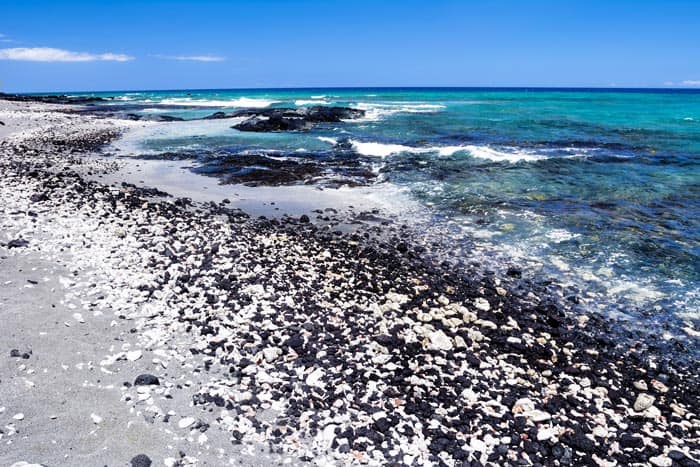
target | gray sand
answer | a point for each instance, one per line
(63, 405)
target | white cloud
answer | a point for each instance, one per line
(193, 58)
(691, 82)
(49, 54)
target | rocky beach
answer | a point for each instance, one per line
(145, 328)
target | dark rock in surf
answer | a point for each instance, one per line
(170, 118)
(286, 119)
(216, 116)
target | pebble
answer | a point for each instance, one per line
(19, 416)
(141, 460)
(644, 401)
(186, 422)
(482, 304)
(523, 405)
(146, 380)
(661, 461)
(96, 419)
(314, 378)
(641, 385)
(439, 341)
(271, 354)
(544, 434)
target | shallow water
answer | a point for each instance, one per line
(599, 188)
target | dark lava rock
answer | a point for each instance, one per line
(146, 380)
(38, 197)
(514, 272)
(275, 123)
(15, 353)
(304, 219)
(215, 116)
(286, 119)
(2, 123)
(142, 460)
(17, 243)
(631, 441)
(170, 118)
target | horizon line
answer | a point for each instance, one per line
(291, 88)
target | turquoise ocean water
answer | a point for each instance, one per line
(599, 189)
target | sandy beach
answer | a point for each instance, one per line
(146, 325)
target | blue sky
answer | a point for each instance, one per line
(108, 45)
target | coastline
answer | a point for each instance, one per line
(329, 348)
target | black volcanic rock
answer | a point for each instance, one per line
(169, 118)
(17, 243)
(286, 119)
(216, 116)
(142, 460)
(146, 380)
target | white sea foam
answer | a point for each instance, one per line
(156, 110)
(327, 139)
(301, 102)
(383, 150)
(240, 102)
(377, 111)
(482, 152)
(486, 152)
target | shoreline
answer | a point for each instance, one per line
(344, 348)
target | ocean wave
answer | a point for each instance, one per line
(246, 102)
(327, 139)
(381, 149)
(313, 101)
(516, 155)
(376, 149)
(377, 111)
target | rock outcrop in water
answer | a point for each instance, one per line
(286, 119)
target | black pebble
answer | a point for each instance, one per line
(146, 380)
(631, 441)
(142, 460)
(17, 243)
